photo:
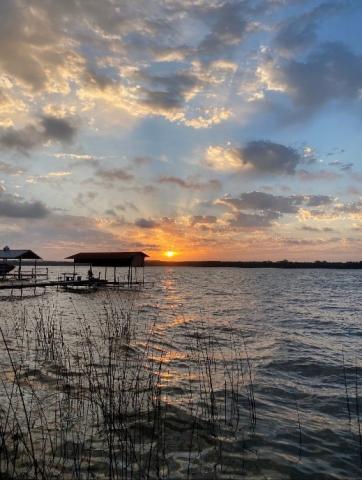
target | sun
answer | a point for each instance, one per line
(170, 253)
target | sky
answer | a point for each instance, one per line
(215, 129)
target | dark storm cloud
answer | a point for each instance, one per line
(269, 157)
(33, 136)
(145, 223)
(12, 207)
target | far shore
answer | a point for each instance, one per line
(351, 265)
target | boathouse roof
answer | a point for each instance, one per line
(7, 254)
(110, 259)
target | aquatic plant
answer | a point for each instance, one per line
(94, 403)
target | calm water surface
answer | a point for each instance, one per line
(299, 332)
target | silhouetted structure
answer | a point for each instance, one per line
(7, 254)
(131, 260)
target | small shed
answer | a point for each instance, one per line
(8, 254)
(132, 260)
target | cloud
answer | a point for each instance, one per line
(323, 174)
(190, 183)
(254, 221)
(270, 157)
(58, 129)
(261, 210)
(203, 219)
(308, 228)
(8, 169)
(276, 203)
(228, 28)
(263, 201)
(331, 73)
(113, 175)
(260, 156)
(34, 136)
(63, 234)
(113, 54)
(343, 167)
(23, 139)
(51, 177)
(349, 208)
(317, 200)
(140, 161)
(144, 223)
(168, 92)
(13, 207)
(299, 32)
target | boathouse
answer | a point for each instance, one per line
(7, 254)
(130, 260)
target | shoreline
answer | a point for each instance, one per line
(285, 264)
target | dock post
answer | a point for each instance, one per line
(19, 269)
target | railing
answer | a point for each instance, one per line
(42, 272)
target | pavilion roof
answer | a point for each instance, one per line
(8, 254)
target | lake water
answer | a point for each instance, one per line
(278, 355)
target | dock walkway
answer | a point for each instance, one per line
(28, 284)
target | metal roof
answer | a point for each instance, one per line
(106, 255)
(110, 259)
(7, 254)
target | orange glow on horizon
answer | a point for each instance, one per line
(169, 253)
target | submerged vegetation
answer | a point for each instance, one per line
(97, 400)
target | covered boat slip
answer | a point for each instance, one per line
(10, 259)
(134, 263)
(131, 278)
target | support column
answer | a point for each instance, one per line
(19, 269)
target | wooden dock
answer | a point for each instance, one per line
(96, 283)
(19, 285)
